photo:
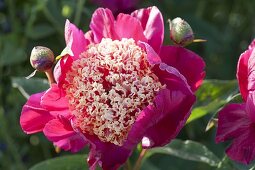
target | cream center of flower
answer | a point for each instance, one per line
(107, 88)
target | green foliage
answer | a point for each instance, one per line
(188, 150)
(211, 96)
(29, 86)
(74, 162)
(227, 164)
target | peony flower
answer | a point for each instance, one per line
(237, 121)
(116, 86)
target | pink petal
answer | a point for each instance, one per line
(251, 71)
(153, 26)
(54, 100)
(34, 101)
(61, 68)
(106, 155)
(127, 26)
(235, 124)
(188, 63)
(243, 147)
(233, 121)
(74, 143)
(250, 105)
(33, 117)
(75, 39)
(243, 71)
(102, 25)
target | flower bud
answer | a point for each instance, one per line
(42, 58)
(180, 32)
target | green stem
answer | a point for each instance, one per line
(10, 143)
(11, 12)
(52, 20)
(78, 13)
(127, 165)
(139, 160)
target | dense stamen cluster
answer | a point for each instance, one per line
(108, 86)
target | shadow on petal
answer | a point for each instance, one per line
(55, 102)
(60, 132)
(107, 155)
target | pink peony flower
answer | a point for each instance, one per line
(237, 121)
(116, 86)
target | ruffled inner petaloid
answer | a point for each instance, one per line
(108, 86)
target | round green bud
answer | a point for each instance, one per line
(41, 58)
(180, 32)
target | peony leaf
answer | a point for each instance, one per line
(227, 164)
(147, 165)
(29, 86)
(74, 162)
(12, 52)
(188, 150)
(211, 96)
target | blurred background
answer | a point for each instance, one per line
(227, 25)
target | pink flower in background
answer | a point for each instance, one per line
(116, 86)
(237, 121)
(118, 6)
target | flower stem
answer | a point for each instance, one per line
(127, 165)
(78, 13)
(139, 160)
(50, 76)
